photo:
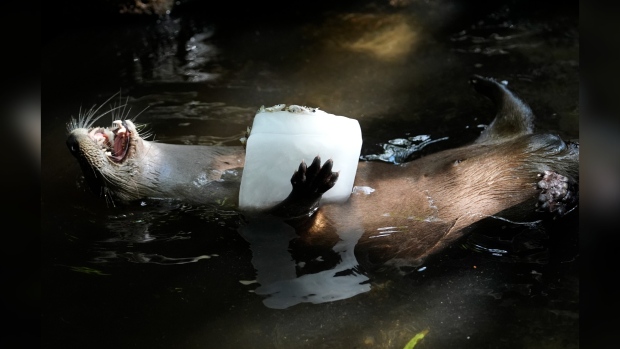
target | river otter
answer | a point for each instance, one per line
(409, 211)
(122, 166)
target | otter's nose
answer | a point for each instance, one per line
(73, 145)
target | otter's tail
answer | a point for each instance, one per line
(514, 117)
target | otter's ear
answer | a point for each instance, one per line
(514, 117)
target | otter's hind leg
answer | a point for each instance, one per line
(514, 117)
(309, 184)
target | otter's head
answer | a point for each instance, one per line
(106, 155)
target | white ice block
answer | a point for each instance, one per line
(281, 137)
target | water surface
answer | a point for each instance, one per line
(166, 274)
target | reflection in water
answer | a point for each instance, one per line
(497, 35)
(195, 110)
(149, 258)
(179, 118)
(385, 37)
(278, 266)
(146, 234)
(174, 50)
(514, 242)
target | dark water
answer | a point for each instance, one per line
(162, 274)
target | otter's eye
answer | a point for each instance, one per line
(458, 161)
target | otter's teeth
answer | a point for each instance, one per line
(109, 135)
(121, 130)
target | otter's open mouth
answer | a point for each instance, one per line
(115, 142)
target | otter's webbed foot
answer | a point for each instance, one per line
(309, 184)
(558, 194)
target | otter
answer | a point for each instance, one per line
(414, 210)
(409, 212)
(120, 165)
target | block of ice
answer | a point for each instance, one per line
(281, 137)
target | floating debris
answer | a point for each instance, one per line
(247, 282)
(87, 270)
(416, 339)
(397, 150)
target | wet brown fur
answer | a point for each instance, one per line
(431, 202)
(420, 207)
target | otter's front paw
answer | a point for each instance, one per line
(309, 184)
(314, 180)
(557, 194)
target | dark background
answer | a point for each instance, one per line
(24, 27)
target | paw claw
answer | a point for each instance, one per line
(326, 170)
(315, 179)
(314, 168)
(300, 175)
